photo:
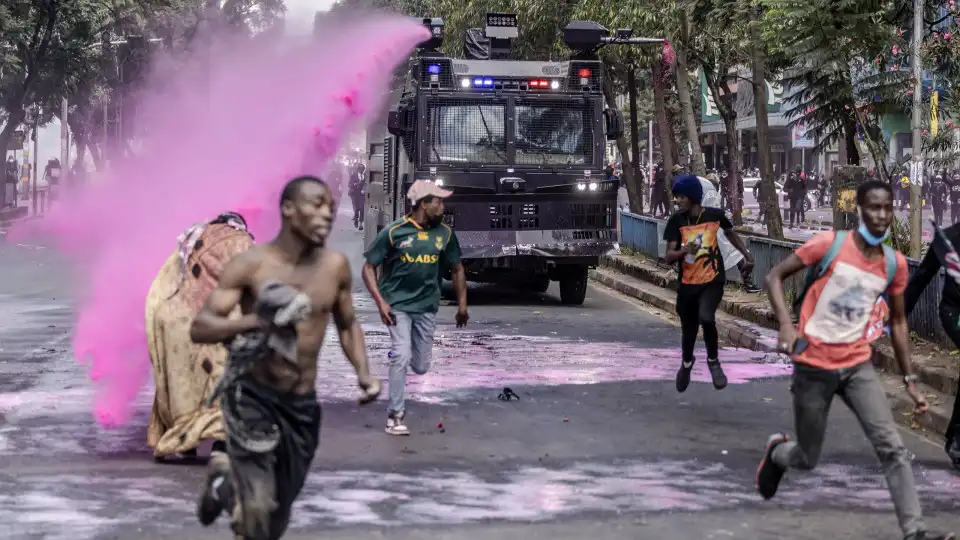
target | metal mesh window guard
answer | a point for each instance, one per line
(553, 133)
(464, 131)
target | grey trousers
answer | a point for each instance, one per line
(859, 387)
(411, 348)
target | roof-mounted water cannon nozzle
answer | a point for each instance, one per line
(435, 26)
(585, 37)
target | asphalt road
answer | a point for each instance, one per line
(599, 446)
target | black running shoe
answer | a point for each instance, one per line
(923, 535)
(683, 375)
(769, 473)
(217, 489)
(717, 374)
(750, 287)
(953, 452)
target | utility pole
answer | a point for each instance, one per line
(64, 142)
(916, 165)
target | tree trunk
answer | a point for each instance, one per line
(628, 178)
(767, 187)
(850, 142)
(686, 103)
(96, 152)
(81, 142)
(724, 102)
(634, 143)
(14, 119)
(665, 130)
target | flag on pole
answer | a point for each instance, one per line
(934, 113)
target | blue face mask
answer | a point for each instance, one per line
(870, 237)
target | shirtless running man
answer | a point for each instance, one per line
(271, 411)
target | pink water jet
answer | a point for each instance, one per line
(223, 132)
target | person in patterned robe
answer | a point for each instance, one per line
(185, 373)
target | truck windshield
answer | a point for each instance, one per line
(553, 133)
(465, 132)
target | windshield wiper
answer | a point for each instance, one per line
(490, 135)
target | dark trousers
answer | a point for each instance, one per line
(949, 316)
(357, 202)
(938, 213)
(699, 309)
(860, 389)
(955, 212)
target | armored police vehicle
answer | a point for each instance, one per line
(520, 144)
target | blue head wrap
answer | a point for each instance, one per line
(689, 186)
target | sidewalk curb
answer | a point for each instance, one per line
(653, 289)
(13, 215)
(7, 223)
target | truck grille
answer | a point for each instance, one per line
(501, 216)
(529, 216)
(597, 215)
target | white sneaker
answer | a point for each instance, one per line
(395, 425)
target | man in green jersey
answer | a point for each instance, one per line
(411, 252)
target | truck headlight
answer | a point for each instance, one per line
(581, 186)
(438, 181)
(593, 186)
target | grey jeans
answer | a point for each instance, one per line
(859, 387)
(411, 347)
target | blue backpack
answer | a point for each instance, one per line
(816, 272)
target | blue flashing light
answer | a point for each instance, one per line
(488, 82)
(433, 69)
(478, 82)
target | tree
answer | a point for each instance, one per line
(685, 51)
(721, 51)
(46, 49)
(758, 68)
(53, 49)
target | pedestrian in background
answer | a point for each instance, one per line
(357, 190)
(938, 196)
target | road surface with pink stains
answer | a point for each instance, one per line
(599, 445)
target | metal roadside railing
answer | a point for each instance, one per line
(644, 235)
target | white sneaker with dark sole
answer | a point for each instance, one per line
(396, 426)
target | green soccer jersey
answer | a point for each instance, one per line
(411, 257)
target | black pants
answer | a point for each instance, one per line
(949, 317)
(955, 213)
(357, 202)
(271, 440)
(938, 213)
(697, 308)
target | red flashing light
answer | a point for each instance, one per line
(584, 73)
(539, 84)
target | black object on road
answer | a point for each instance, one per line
(507, 394)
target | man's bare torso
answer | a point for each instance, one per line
(320, 281)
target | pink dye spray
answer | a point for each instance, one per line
(218, 139)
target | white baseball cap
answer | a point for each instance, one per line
(426, 188)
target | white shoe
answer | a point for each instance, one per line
(396, 426)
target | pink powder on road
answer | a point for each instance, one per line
(213, 140)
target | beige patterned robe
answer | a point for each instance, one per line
(186, 373)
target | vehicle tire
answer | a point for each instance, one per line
(807, 207)
(540, 284)
(573, 286)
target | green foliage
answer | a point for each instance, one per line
(53, 49)
(831, 46)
